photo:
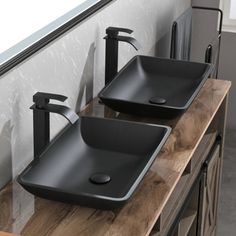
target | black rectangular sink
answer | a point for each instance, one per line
(95, 162)
(154, 86)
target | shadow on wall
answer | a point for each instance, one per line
(162, 47)
(6, 154)
(86, 82)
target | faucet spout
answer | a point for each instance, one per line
(130, 40)
(66, 112)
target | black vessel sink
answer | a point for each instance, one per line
(95, 162)
(155, 86)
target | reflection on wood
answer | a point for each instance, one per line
(6, 212)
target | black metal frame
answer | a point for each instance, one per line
(208, 52)
(6, 66)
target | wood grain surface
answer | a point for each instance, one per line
(6, 234)
(39, 217)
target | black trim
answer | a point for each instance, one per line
(216, 144)
(212, 9)
(6, 66)
(173, 41)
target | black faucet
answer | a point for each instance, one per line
(41, 121)
(112, 40)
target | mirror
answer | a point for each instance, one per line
(27, 26)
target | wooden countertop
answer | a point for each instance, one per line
(23, 214)
(6, 234)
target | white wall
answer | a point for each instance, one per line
(70, 62)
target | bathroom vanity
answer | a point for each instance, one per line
(178, 196)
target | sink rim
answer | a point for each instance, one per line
(131, 190)
(209, 69)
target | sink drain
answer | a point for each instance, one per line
(157, 100)
(99, 178)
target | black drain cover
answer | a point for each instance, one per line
(99, 178)
(157, 100)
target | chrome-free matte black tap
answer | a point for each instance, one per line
(41, 121)
(112, 41)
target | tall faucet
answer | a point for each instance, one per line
(112, 40)
(41, 121)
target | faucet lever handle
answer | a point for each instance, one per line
(41, 99)
(114, 31)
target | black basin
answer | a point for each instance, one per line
(155, 86)
(95, 162)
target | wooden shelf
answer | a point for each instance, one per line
(186, 222)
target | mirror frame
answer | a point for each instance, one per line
(24, 49)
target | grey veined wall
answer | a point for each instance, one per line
(73, 65)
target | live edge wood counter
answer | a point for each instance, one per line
(23, 214)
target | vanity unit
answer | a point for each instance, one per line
(178, 196)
